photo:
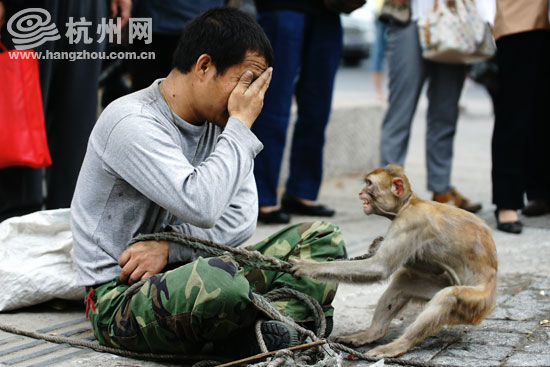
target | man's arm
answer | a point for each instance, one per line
(142, 153)
(236, 225)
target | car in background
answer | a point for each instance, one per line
(358, 35)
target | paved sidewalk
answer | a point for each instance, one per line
(512, 336)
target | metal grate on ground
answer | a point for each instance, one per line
(18, 350)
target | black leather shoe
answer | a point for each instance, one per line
(510, 227)
(274, 217)
(535, 208)
(292, 205)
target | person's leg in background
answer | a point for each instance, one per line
(406, 77)
(71, 104)
(285, 30)
(320, 60)
(515, 111)
(377, 58)
(444, 89)
(538, 149)
(20, 191)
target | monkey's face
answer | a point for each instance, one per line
(376, 196)
(367, 196)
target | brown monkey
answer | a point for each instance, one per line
(437, 253)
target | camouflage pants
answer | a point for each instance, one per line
(206, 300)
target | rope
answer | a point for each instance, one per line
(373, 247)
(306, 357)
(282, 357)
(259, 336)
(242, 255)
(263, 304)
(310, 302)
(102, 348)
(368, 358)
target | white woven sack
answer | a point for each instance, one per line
(36, 262)
(454, 32)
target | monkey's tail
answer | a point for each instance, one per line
(452, 274)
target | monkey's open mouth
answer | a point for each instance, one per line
(366, 204)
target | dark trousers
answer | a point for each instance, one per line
(520, 147)
(145, 72)
(307, 51)
(69, 94)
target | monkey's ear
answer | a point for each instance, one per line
(397, 186)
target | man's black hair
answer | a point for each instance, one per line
(224, 33)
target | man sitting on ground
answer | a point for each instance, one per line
(178, 156)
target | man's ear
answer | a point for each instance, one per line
(397, 186)
(203, 65)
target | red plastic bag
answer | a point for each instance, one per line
(22, 129)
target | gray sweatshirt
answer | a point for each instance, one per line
(144, 174)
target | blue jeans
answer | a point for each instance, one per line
(379, 47)
(307, 50)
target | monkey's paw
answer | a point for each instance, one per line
(350, 340)
(393, 349)
(358, 339)
(303, 268)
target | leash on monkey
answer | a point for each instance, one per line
(313, 350)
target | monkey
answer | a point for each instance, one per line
(438, 254)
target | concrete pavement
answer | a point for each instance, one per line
(512, 336)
